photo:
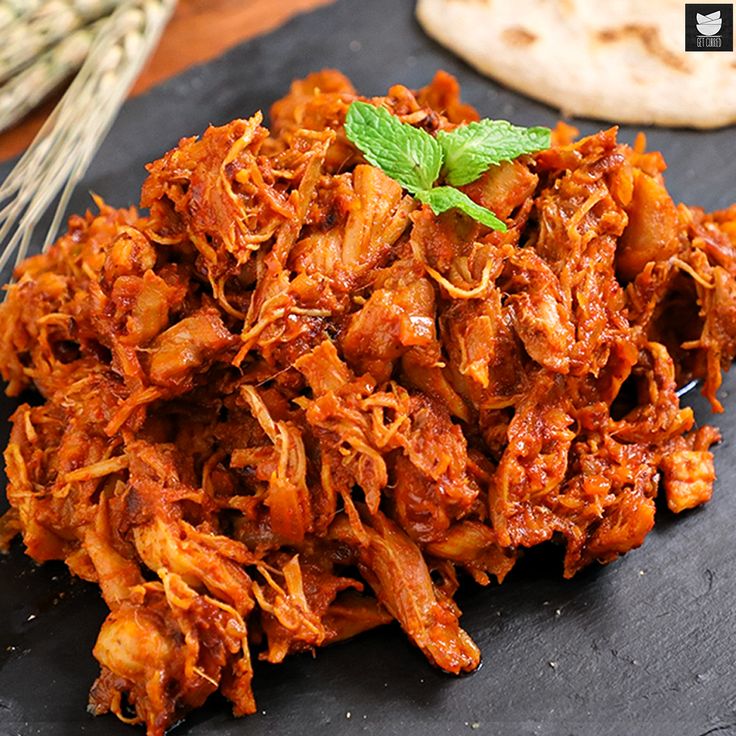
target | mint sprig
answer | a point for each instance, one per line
(407, 154)
(470, 149)
(441, 199)
(416, 160)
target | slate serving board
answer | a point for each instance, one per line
(642, 646)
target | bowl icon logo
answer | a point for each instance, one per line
(709, 24)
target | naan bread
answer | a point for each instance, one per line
(619, 60)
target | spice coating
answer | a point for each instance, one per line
(291, 403)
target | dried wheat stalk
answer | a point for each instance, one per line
(63, 149)
(32, 33)
(12, 11)
(30, 86)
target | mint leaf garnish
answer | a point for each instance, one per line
(415, 159)
(441, 199)
(471, 149)
(407, 154)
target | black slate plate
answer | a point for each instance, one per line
(643, 646)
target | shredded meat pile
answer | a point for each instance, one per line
(290, 404)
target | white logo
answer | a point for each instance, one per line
(710, 24)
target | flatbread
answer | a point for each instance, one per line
(618, 60)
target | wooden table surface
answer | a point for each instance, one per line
(199, 30)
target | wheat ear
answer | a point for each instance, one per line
(30, 86)
(65, 145)
(35, 32)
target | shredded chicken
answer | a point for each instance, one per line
(290, 404)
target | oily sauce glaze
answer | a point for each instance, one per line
(291, 404)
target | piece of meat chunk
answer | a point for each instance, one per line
(395, 569)
(653, 229)
(688, 478)
(399, 315)
(187, 347)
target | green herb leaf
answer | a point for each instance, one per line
(414, 158)
(470, 149)
(407, 154)
(441, 199)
